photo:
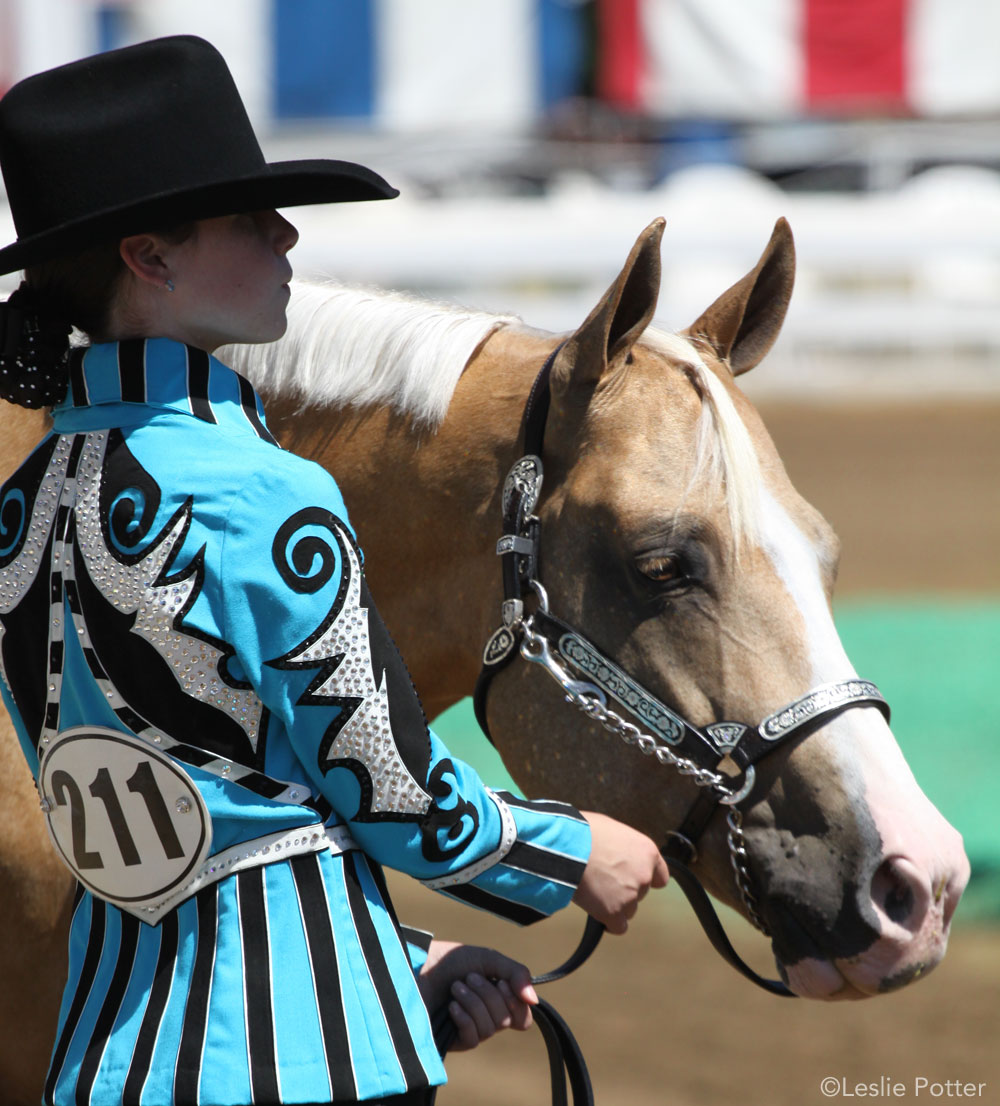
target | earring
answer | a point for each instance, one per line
(169, 286)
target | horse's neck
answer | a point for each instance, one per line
(426, 507)
(22, 431)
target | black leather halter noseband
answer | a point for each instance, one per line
(720, 757)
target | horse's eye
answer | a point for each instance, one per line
(668, 569)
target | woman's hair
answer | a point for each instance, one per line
(79, 290)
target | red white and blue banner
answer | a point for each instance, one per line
(770, 59)
(426, 65)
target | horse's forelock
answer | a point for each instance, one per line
(349, 346)
(725, 451)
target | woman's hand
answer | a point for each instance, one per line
(623, 865)
(485, 990)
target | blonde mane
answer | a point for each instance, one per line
(358, 347)
(348, 346)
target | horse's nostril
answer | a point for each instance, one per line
(894, 892)
(898, 901)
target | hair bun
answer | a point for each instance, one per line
(34, 351)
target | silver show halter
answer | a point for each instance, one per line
(720, 757)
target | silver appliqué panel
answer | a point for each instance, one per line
(130, 589)
(366, 736)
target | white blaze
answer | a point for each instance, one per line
(796, 562)
(914, 836)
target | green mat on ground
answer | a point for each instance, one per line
(936, 661)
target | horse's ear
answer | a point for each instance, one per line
(742, 324)
(617, 322)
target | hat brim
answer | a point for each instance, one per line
(281, 184)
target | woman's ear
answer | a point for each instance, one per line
(144, 255)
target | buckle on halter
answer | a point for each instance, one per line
(514, 543)
(678, 847)
(512, 611)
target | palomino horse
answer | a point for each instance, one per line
(673, 539)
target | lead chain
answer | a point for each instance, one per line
(648, 745)
(703, 777)
(740, 859)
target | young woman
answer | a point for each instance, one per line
(226, 743)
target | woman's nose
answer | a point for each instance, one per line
(285, 234)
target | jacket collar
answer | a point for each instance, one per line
(126, 383)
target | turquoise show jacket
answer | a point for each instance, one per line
(228, 748)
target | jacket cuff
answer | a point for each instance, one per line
(539, 872)
(418, 943)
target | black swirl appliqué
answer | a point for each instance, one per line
(129, 499)
(296, 561)
(379, 731)
(447, 829)
(17, 501)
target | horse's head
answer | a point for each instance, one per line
(673, 538)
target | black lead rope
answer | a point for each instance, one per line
(704, 911)
(567, 1067)
(566, 1063)
(706, 914)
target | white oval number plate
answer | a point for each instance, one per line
(127, 820)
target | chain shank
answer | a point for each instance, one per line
(590, 700)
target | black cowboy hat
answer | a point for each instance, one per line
(139, 139)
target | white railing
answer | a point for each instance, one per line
(910, 272)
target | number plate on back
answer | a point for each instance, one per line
(127, 820)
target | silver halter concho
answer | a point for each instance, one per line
(720, 758)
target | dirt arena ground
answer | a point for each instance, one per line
(914, 492)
